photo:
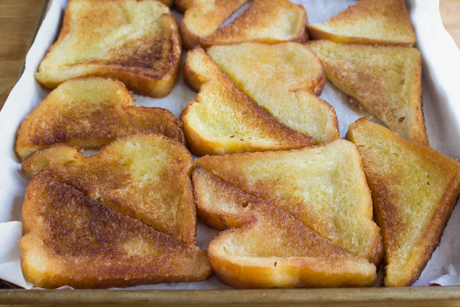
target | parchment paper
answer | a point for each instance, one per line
(441, 64)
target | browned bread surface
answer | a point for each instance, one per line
(272, 249)
(72, 239)
(265, 21)
(224, 120)
(283, 79)
(90, 113)
(386, 81)
(414, 188)
(143, 176)
(373, 22)
(323, 186)
(136, 42)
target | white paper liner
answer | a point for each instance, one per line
(441, 64)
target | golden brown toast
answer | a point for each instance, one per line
(323, 186)
(72, 239)
(224, 120)
(136, 42)
(386, 81)
(373, 22)
(90, 113)
(281, 79)
(145, 177)
(265, 21)
(414, 188)
(272, 249)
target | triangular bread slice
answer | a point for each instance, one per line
(271, 249)
(386, 81)
(265, 21)
(373, 22)
(323, 186)
(224, 120)
(281, 79)
(90, 113)
(71, 239)
(145, 177)
(414, 188)
(136, 42)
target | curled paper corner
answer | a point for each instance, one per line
(450, 279)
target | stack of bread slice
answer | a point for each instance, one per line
(121, 217)
(325, 215)
(265, 21)
(90, 113)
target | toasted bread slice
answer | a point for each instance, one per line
(136, 42)
(224, 120)
(374, 22)
(71, 239)
(322, 186)
(414, 188)
(143, 176)
(265, 21)
(281, 79)
(90, 113)
(386, 81)
(272, 249)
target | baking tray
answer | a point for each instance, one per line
(439, 74)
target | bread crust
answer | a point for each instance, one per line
(147, 65)
(257, 19)
(389, 200)
(370, 22)
(69, 115)
(71, 239)
(144, 176)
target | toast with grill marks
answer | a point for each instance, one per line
(146, 177)
(224, 120)
(71, 239)
(385, 80)
(271, 249)
(372, 22)
(414, 188)
(265, 21)
(283, 79)
(90, 113)
(136, 42)
(323, 186)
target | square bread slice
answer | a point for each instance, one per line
(323, 186)
(136, 42)
(414, 188)
(271, 249)
(386, 81)
(90, 113)
(71, 239)
(370, 22)
(144, 176)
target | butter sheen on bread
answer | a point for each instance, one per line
(414, 188)
(90, 113)
(224, 120)
(271, 248)
(142, 176)
(71, 239)
(136, 42)
(322, 186)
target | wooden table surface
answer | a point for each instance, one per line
(18, 19)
